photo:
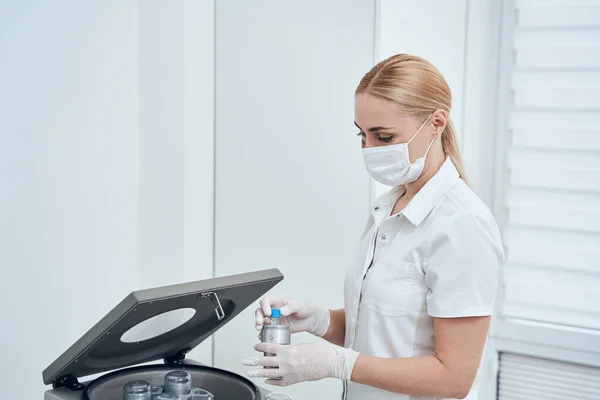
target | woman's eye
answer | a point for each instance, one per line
(384, 139)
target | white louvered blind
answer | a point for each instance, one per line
(552, 272)
(529, 378)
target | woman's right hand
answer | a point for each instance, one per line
(298, 315)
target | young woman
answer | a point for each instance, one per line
(418, 301)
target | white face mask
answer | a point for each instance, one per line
(391, 165)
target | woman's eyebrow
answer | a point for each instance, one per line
(375, 128)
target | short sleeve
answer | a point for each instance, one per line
(462, 267)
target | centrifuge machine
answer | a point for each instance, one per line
(160, 324)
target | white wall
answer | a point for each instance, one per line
(105, 113)
(69, 203)
(107, 119)
(291, 190)
(479, 122)
(176, 113)
(199, 158)
(161, 142)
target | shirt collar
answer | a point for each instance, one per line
(385, 202)
(431, 193)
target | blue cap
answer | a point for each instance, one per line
(275, 313)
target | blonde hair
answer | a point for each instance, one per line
(419, 89)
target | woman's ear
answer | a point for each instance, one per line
(439, 120)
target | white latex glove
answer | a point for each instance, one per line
(298, 315)
(302, 362)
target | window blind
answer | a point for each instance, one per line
(552, 273)
(529, 378)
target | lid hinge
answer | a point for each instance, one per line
(68, 381)
(177, 358)
(214, 299)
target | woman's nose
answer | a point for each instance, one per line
(368, 143)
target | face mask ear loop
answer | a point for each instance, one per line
(430, 144)
(419, 130)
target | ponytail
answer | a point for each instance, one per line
(452, 149)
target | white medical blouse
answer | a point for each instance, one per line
(439, 257)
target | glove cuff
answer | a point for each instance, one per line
(322, 321)
(345, 358)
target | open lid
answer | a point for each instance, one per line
(160, 323)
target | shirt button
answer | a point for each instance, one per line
(383, 237)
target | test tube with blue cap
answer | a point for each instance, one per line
(275, 332)
(275, 316)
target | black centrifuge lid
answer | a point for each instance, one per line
(124, 336)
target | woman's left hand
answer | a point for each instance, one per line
(302, 362)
